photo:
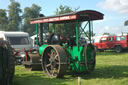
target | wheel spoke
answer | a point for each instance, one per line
(48, 65)
(51, 70)
(53, 53)
(49, 54)
(54, 71)
(56, 57)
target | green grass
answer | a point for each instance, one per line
(111, 69)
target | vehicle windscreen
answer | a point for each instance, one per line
(18, 40)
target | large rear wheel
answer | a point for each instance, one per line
(7, 64)
(54, 61)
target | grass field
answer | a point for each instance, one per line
(111, 69)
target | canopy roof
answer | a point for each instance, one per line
(84, 15)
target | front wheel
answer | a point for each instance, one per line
(54, 61)
(118, 49)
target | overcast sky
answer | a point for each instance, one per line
(115, 11)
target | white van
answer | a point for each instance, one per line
(33, 39)
(20, 41)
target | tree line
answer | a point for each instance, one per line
(16, 19)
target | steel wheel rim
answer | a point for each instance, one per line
(52, 64)
(54, 61)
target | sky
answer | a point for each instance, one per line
(115, 11)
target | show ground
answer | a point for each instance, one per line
(111, 69)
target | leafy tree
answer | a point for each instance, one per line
(68, 28)
(14, 16)
(30, 13)
(63, 9)
(3, 20)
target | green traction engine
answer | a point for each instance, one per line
(57, 56)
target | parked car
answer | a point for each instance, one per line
(117, 43)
